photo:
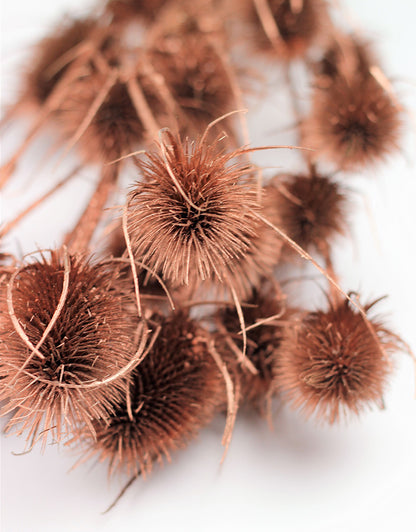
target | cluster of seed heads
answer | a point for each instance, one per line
(107, 353)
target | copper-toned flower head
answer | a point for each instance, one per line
(194, 74)
(347, 57)
(193, 217)
(355, 117)
(49, 63)
(310, 209)
(267, 305)
(65, 327)
(334, 362)
(172, 394)
(115, 128)
(289, 27)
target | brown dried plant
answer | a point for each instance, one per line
(115, 129)
(170, 396)
(334, 362)
(265, 315)
(355, 118)
(67, 339)
(288, 27)
(60, 60)
(192, 216)
(310, 209)
(198, 82)
(53, 56)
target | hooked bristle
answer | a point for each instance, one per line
(92, 339)
(334, 362)
(172, 394)
(193, 217)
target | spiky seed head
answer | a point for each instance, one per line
(300, 25)
(203, 226)
(115, 129)
(310, 209)
(347, 57)
(331, 363)
(263, 342)
(44, 72)
(353, 125)
(91, 340)
(355, 118)
(172, 394)
(197, 81)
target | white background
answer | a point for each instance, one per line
(300, 477)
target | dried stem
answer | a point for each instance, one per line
(80, 236)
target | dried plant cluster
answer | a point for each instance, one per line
(100, 343)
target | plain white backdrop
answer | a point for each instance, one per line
(358, 476)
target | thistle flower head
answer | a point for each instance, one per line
(299, 24)
(332, 363)
(115, 128)
(197, 81)
(355, 117)
(172, 394)
(309, 208)
(263, 342)
(46, 69)
(193, 215)
(50, 379)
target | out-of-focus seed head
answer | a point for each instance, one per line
(310, 209)
(196, 78)
(49, 64)
(297, 25)
(115, 129)
(355, 117)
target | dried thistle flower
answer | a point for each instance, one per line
(172, 394)
(310, 209)
(335, 362)
(65, 327)
(267, 308)
(48, 64)
(115, 128)
(193, 215)
(288, 27)
(346, 57)
(197, 81)
(355, 117)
